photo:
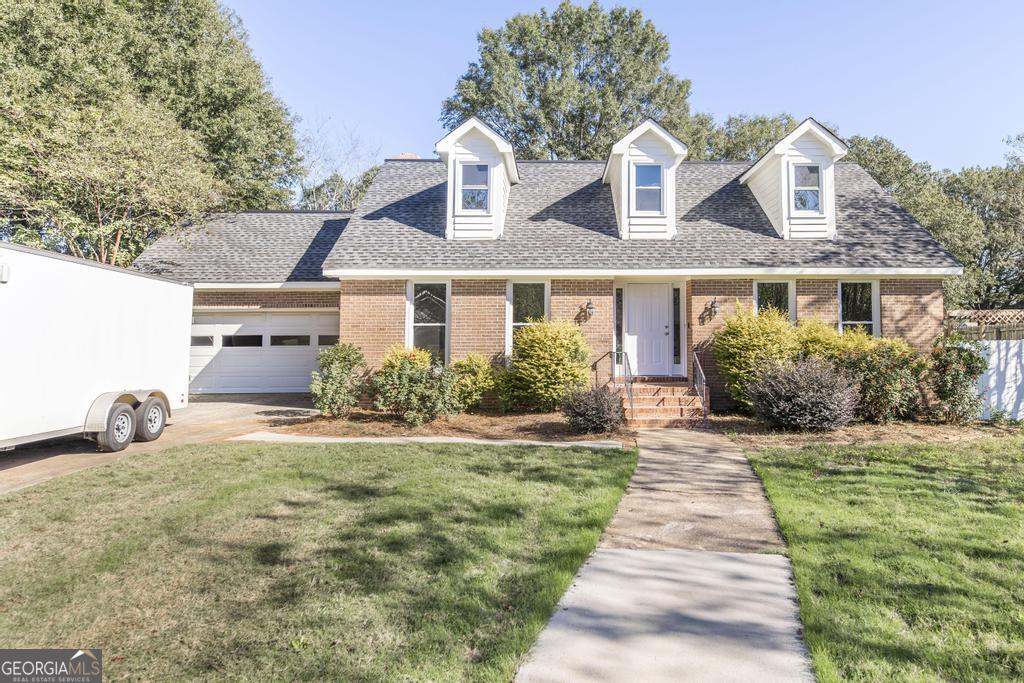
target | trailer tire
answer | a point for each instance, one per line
(120, 429)
(150, 419)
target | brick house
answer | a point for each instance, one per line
(646, 251)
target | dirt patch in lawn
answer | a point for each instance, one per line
(753, 435)
(531, 426)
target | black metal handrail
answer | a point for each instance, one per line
(700, 385)
(627, 371)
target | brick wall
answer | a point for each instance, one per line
(260, 299)
(373, 315)
(912, 309)
(818, 299)
(478, 318)
(569, 297)
(701, 325)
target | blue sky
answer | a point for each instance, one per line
(944, 80)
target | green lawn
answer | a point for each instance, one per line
(909, 559)
(343, 562)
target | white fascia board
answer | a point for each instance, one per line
(809, 125)
(403, 274)
(443, 147)
(320, 286)
(678, 147)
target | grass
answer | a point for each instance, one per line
(338, 562)
(909, 559)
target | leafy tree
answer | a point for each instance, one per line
(747, 138)
(100, 181)
(184, 122)
(944, 204)
(569, 83)
(995, 198)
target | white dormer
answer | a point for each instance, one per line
(794, 182)
(642, 173)
(481, 169)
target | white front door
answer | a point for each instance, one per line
(649, 328)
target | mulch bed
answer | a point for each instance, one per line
(753, 435)
(477, 425)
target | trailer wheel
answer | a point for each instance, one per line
(120, 429)
(150, 419)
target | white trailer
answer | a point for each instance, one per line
(88, 349)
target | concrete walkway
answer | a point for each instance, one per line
(688, 583)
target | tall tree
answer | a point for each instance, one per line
(168, 75)
(747, 138)
(569, 83)
(975, 214)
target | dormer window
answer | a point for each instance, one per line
(475, 187)
(807, 188)
(647, 188)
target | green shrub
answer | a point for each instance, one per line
(549, 360)
(819, 339)
(809, 394)
(338, 384)
(396, 353)
(890, 374)
(414, 392)
(957, 363)
(593, 411)
(746, 343)
(474, 378)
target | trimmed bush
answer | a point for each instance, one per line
(338, 384)
(595, 411)
(809, 394)
(890, 375)
(549, 360)
(396, 353)
(746, 343)
(817, 338)
(957, 363)
(474, 378)
(414, 392)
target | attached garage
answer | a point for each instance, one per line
(257, 352)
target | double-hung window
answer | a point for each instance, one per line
(529, 305)
(857, 307)
(777, 295)
(430, 318)
(807, 188)
(647, 188)
(475, 187)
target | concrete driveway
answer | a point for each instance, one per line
(206, 419)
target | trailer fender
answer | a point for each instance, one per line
(96, 419)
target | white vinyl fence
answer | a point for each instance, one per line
(1003, 384)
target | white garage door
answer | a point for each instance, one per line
(257, 352)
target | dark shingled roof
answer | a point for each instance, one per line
(258, 246)
(561, 216)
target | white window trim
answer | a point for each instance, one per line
(876, 306)
(410, 289)
(793, 189)
(633, 211)
(459, 210)
(791, 291)
(508, 308)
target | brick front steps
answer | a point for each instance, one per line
(661, 403)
